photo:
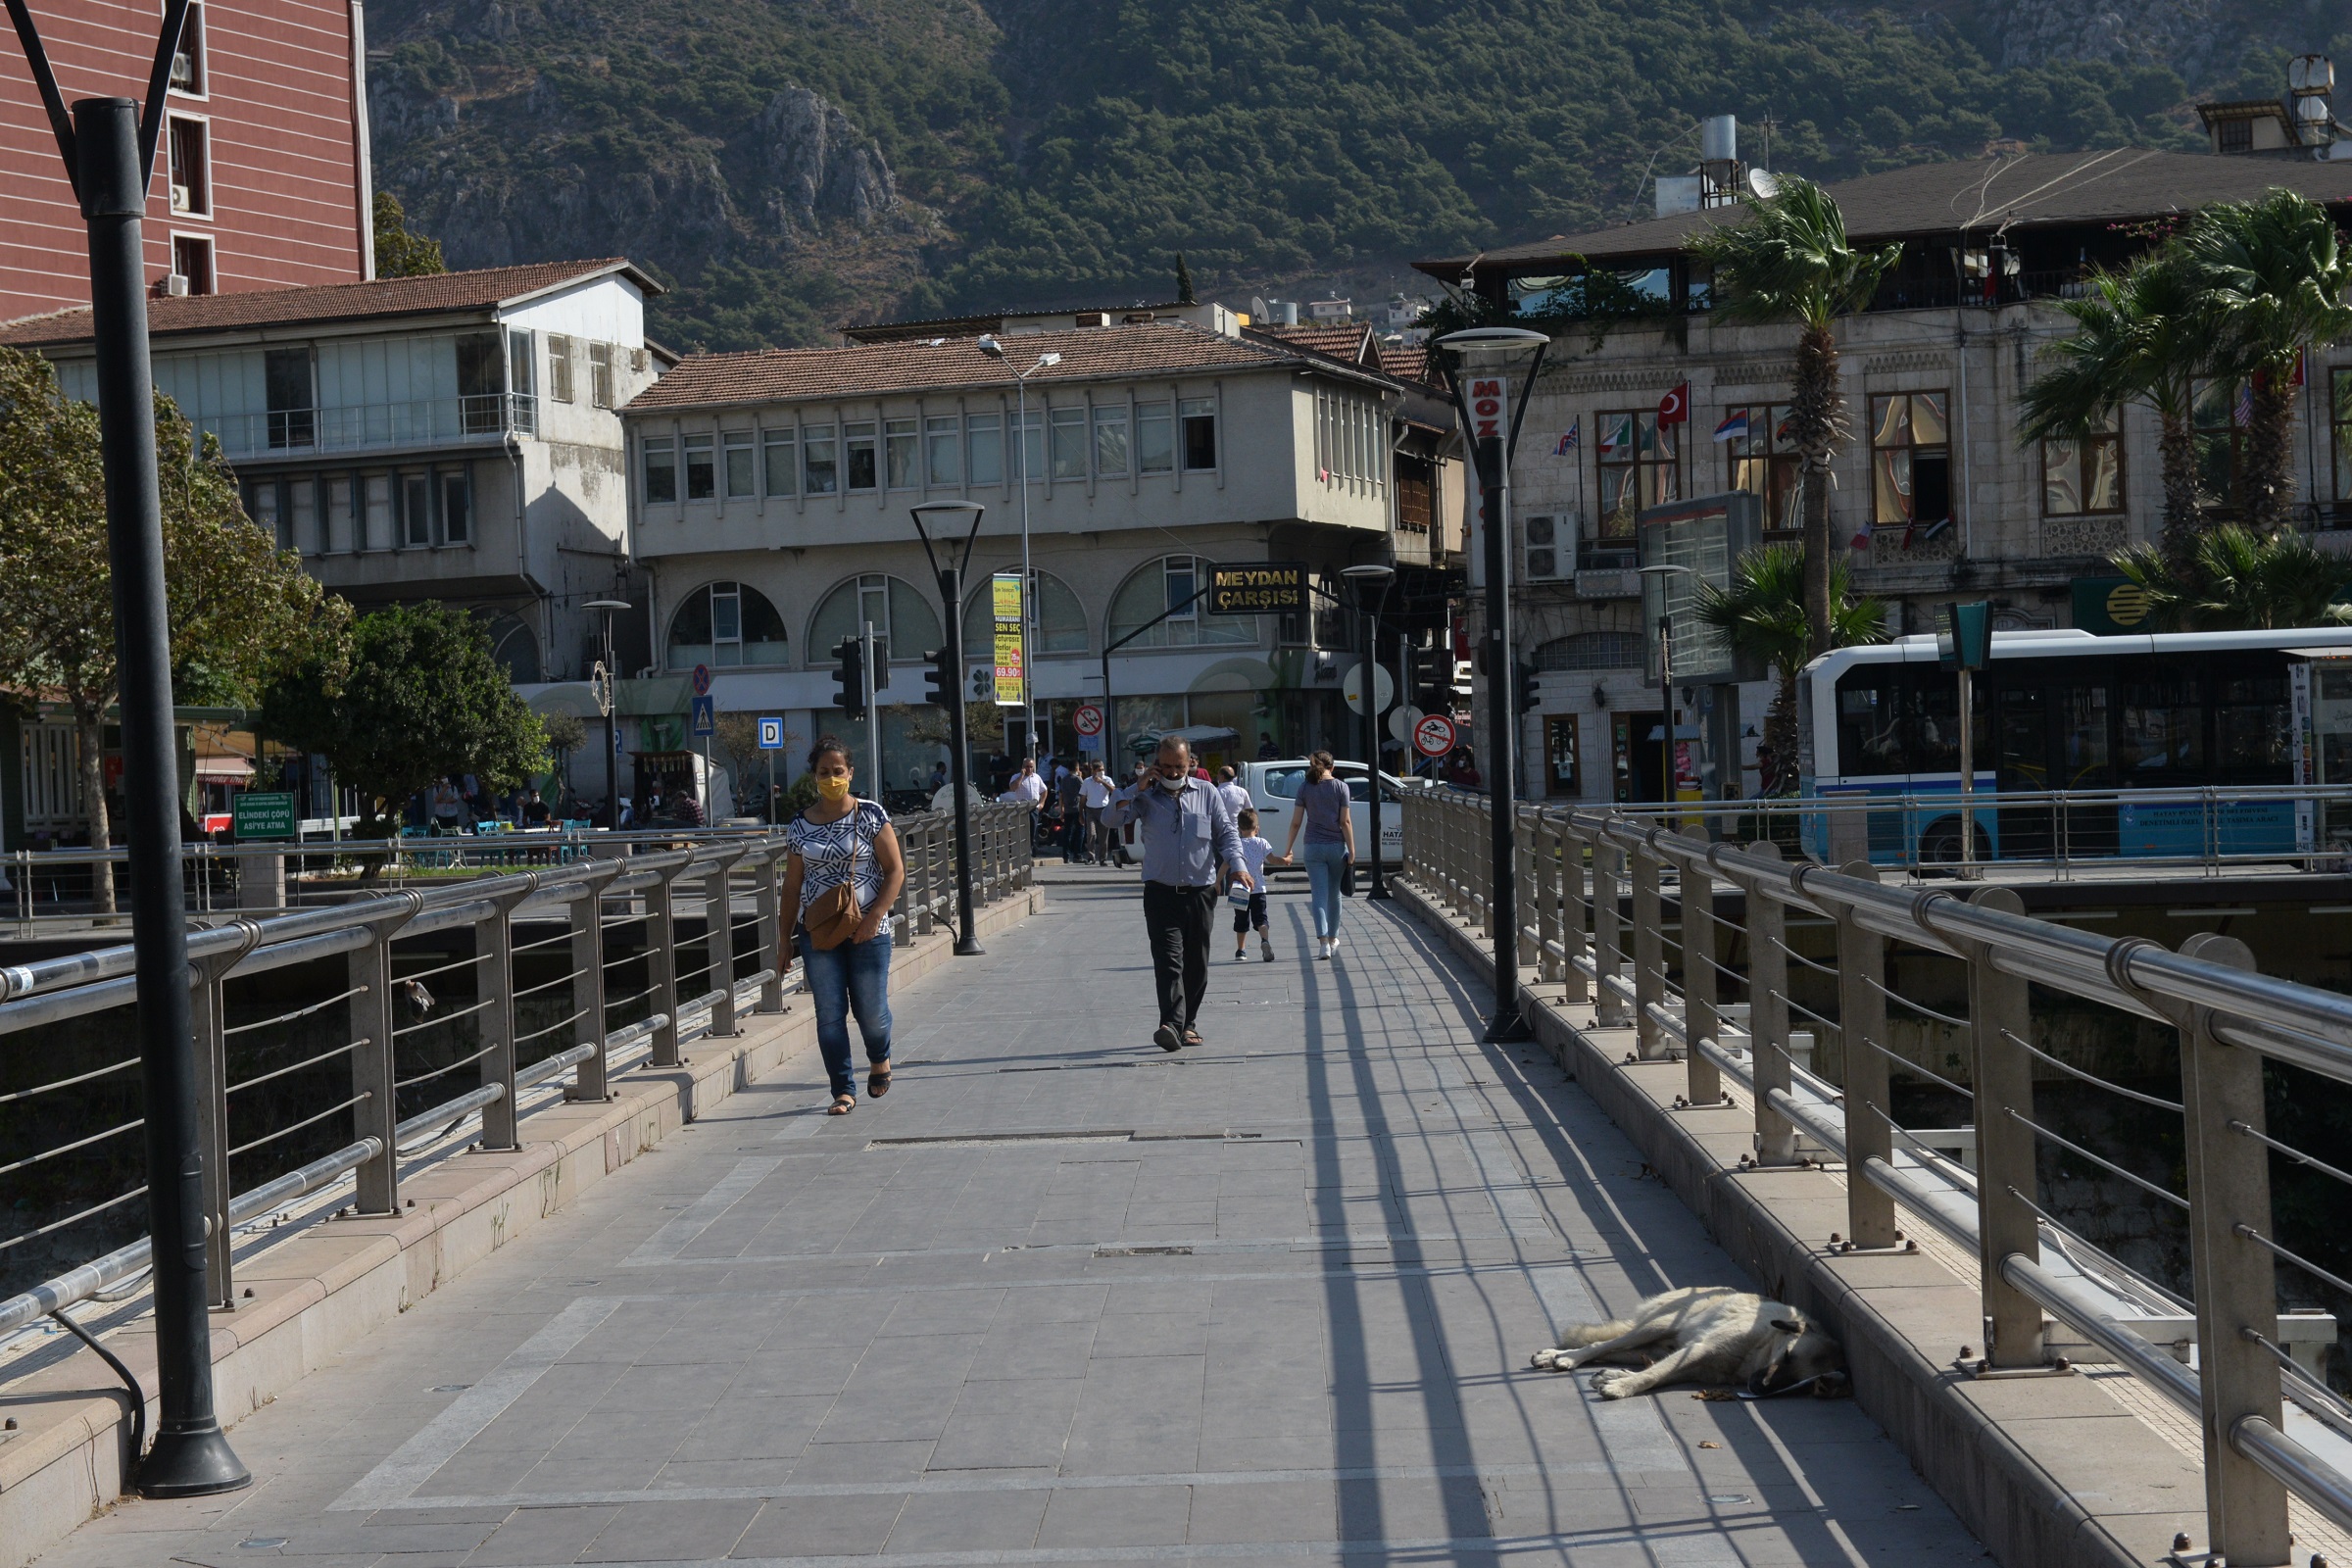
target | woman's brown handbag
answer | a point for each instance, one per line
(832, 916)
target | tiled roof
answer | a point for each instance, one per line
(332, 302)
(2117, 185)
(994, 321)
(1341, 342)
(946, 363)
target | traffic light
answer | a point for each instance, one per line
(1529, 698)
(940, 678)
(1426, 668)
(849, 694)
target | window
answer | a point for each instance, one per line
(456, 507)
(260, 505)
(1068, 429)
(417, 509)
(897, 610)
(481, 382)
(192, 259)
(1198, 417)
(1030, 449)
(189, 142)
(1561, 774)
(820, 470)
(286, 378)
(337, 514)
(2221, 412)
(558, 368)
(188, 73)
(943, 466)
(600, 374)
(660, 470)
(1155, 439)
(376, 523)
(2159, 731)
(1161, 585)
(1870, 740)
(902, 454)
(2253, 727)
(857, 446)
(1639, 463)
(726, 625)
(1111, 441)
(1910, 460)
(1591, 650)
(1061, 618)
(521, 359)
(737, 445)
(1764, 461)
(984, 448)
(2084, 474)
(781, 450)
(701, 475)
(300, 528)
(2233, 137)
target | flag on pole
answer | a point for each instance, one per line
(2243, 414)
(1567, 442)
(1733, 426)
(1615, 431)
(1675, 407)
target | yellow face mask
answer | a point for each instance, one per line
(832, 787)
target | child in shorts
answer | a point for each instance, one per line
(1255, 854)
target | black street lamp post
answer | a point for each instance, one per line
(109, 151)
(952, 682)
(1480, 365)
(1372, 582)
(609, 699)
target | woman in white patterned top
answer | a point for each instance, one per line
(839, 839)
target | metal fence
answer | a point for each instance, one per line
(339, 1043)
(1625, 914)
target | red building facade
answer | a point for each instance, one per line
(263, 178)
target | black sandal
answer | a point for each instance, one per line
(843, 1105)
(877, 1082)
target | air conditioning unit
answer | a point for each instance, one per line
(1549, 554)
(183, 200)
(175, 284)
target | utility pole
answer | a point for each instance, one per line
(873, 716)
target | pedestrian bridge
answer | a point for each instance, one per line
(1059, 1298)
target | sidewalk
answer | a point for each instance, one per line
(1062, 1299)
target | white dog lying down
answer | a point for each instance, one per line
(1708, 1334)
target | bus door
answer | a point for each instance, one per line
(2021, 766)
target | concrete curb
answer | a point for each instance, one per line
(317, 1294)
(2047, 1472)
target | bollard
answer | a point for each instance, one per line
(1649, 956)
(372, 1064)
(1700, 985)
(591, 1081)
(2005, 1151)
(1608, 1005)
(1768, 1015)
(1861, 1022)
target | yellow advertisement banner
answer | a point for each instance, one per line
(1012, 671)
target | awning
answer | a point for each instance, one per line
(226, 768)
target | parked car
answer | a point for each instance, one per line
(1274, 789)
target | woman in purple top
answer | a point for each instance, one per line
(1325, 812)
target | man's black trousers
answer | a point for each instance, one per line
(1178, 921)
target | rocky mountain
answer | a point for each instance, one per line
(789, 163)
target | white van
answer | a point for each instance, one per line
(1274, 789)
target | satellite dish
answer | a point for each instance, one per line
(1763, 184)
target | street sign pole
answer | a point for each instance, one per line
(873, 721)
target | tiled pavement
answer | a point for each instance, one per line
(1060, 1298)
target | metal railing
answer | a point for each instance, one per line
(2270, 1426)
(375, 426)
(340, 1042)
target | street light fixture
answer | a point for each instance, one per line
(996, 351)
(1666, 788)
(1372, 581)
(948, 514)
(1483, 363)
(607, 697)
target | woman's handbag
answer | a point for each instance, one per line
(1348, 877)
(832, 916)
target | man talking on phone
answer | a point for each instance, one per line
(1188, 832)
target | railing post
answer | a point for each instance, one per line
(501, 1124)
(718, 940)
(1607, 946)
(768, 893)
(590, 1082)
(1649, 956)
(1573, 923)
(1768, 1014)
(372, 1071)
(1546, 884)
(661, 963)
(1862, 1030)
(1998, 1015)
(2234, 1276)
(208, 1007)
(1528, 823)
(1703, 1085)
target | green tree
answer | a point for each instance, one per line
(241, 611)
(2141, 336)
(2236, 579)
(1183, 282)
(1788, 260)
(1765, 614)
(422, 698)
(2273, 276)
(399, 253)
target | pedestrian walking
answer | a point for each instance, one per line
(1026, 788)
(1093, 799)
(841, 874)
(1249, 903)
(1324, 812)
(1069, 790)
(1187, 835)
(1235, 795)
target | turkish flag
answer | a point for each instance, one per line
(1675, 407)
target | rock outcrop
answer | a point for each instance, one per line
(819, 167)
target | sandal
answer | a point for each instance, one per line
(877, 1082)
(1192, 1037)
(843, 1105)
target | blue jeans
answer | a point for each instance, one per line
(1324, 862)
(851, 977)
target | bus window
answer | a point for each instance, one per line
(1934, 714)
(1869, 740)
(2082, 736)
(2251, 725)
(2160, 729)
(2022, 748)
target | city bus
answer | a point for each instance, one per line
(2148, 746)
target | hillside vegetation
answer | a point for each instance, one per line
(790, 164)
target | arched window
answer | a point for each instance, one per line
(726, 625)
(896, 606)
(1061, 618)
(516, 649)
(1163, 585)
(1591, 650)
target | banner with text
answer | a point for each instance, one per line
(1013, 665)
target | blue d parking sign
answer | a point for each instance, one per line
(771, 734)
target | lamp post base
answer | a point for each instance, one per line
(1507, 1026)
(191, 1464)
(969, 946)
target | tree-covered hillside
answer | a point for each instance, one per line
(787, 164)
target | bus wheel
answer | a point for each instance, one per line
(1939, 846)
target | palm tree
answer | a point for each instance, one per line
(1764, 613)
(2237, 579)
(2273, 274)
(2140, 336)
(1788, 260)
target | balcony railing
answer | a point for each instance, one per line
(375, 426)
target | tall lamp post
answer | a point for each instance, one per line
(108, 145)
(948, 676)
(607, 697)
(1020, 378)
(1481, 363)
(1667, 793)
(1372, 581)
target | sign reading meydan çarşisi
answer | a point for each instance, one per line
(1257, 588)
(1012, 670)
